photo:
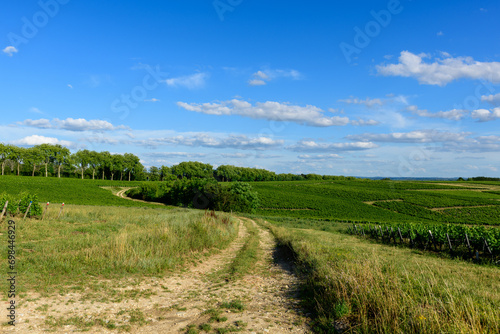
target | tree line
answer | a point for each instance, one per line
(56, 160)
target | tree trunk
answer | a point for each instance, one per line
(121, 176)
(46, 173)
(129, 176)
(18, 168)
(93, 173)
(103, 173)
(82, 173)
(3, 167)
(59, 171)
(33, 174)
(112, 174)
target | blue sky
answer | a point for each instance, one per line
(366, 88)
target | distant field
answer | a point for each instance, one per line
(382, 201)
(69, 191)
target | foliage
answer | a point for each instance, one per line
(200, 194)
(378, 201)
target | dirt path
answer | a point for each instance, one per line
(122, 192)
(171, 304)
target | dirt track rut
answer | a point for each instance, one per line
(171, 304)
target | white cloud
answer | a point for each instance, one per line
(205, 140)
(256, 82)
(441, 71)
(36, 110)
(71, 124)
(37, 140)
(275, 111)
(174, 155)
(422, 136)
(152, 100)
(261, 78)
(483, 115)
(39, 123)
(320, 157)
(493, 99)
(452, 115)
(10, 50)
(367, 102)
(193, 81)
(70, 86)
(362, 122)
(440, 33)
(312, 146)
(473, 145)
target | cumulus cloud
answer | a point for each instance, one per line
(205, 140)
(422, 136)
(367, 102)
(493, 99)
(38, 140)
(442, 70)
(313, 146)
(10, 50)
(320, 157)
(452, 115)
(71, 124)
(479, 144)
(174, 155)
(484, 115)
(273, 111)
(261, 78)
(193, 81)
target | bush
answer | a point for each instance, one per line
(35, 210)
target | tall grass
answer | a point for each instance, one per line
(368, 288)
(89, 243)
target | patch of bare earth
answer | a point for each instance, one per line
(171, 304)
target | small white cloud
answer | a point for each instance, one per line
(39, 123)
(493, 99)
(367, 102)
(362, 122)
(270, 110)
(10, 50)
(38, 140)
(71, 124)
(441, 71)
(256, 82)
(419, 136)
(440, 33)
(484, 115)
(452, 115)
(312, 146)
(36, 111)
(152, 100)
(193, 81)
(70, 86)
(262, 77)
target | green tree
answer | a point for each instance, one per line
(116, 166)
(61, 157)
(82, 159)
(33, 158)
(5, 153)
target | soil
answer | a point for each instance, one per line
(170, 304)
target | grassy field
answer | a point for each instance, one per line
(69, 191)
(351, 284)
(370, 288)
(111, 243)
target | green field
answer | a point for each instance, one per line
(69, 191)
(380, 201)
(364, 284)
